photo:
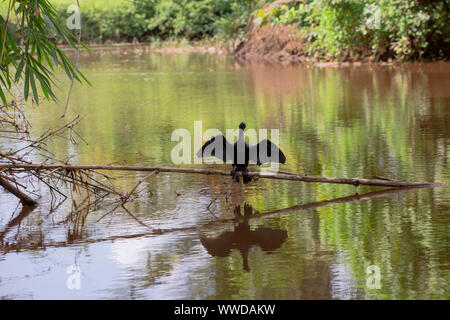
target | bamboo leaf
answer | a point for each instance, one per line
(34, 88)
(27, 82)
(19, 70)
(2, 95)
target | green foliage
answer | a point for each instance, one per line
(146, 20)
(402, 29)
(29, 49)
(398, 29)
(291, 12)
(234, 24)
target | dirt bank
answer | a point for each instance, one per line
(286, 44)
(280, 43)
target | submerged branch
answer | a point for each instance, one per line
(27, 200)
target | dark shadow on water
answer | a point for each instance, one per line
(15, 222)
(243, 238)
(26, 210)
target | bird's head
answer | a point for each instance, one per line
(242, 126)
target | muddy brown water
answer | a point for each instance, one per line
(338, 122)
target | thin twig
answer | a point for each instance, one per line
(131, 215)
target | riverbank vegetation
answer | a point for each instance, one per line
(403, 30)
(387, 29)
(159, 20)
(397, 29)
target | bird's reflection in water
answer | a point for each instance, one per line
(242, 238)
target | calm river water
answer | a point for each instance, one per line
(337, 122)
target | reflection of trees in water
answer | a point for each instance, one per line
(367, 120)
(334, 245)
(334, 122)
(408, 245)
(157, 266)
(404, 237)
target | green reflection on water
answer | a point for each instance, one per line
(353, 122)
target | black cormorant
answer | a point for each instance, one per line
(241, 153)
